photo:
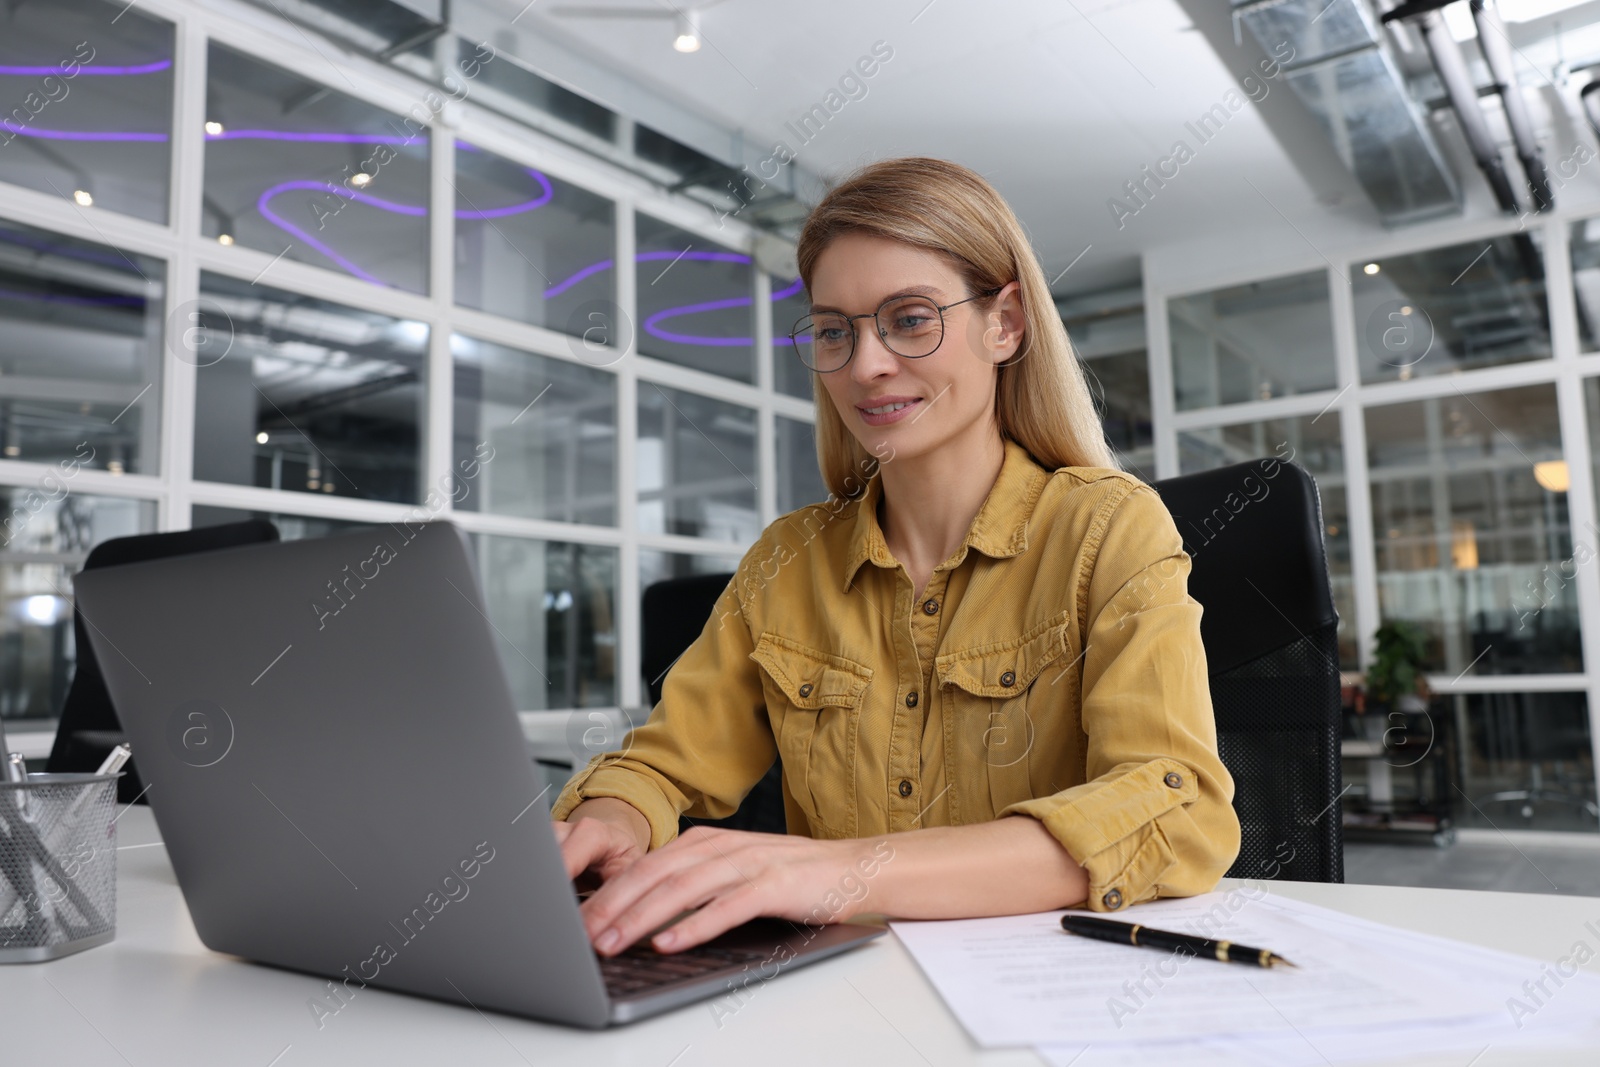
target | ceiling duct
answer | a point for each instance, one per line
(1341, 70)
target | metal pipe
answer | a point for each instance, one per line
(1496, 48)
(1463, 95)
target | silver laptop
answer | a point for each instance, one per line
(340, 777)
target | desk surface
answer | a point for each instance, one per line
(155, 995)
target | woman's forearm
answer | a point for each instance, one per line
(1010, 866)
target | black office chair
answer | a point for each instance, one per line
(89, 728)
(674, 612)
(1270, 634)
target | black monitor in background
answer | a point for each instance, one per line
(89, 728)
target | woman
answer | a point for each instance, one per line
(986, 620)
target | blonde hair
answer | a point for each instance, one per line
(1042, 399)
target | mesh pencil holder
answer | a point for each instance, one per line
(58, 865)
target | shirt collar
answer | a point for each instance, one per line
(999, 530)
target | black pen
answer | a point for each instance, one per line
(1145, 937)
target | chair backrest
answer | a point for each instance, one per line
(1260, 572)
(89, 728)
(674, 613)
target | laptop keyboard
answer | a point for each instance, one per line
(640, 968)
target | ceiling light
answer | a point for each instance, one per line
(1370, 268)
(41, 608)
(83, 198)
(261, 438)
(213, 129)
(360, 179)
(1553, 475)
(224, 239)
(688, 32)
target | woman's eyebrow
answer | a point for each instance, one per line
(912, 290)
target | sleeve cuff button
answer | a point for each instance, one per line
(1174, 779)
(1112, 900)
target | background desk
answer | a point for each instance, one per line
(156, 996)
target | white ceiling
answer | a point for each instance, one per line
(1057, 102)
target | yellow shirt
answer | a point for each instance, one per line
(1052, 668)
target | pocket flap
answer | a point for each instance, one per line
(983, 670)
(811, 679)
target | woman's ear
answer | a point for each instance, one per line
(1006, 320)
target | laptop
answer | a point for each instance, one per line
(338, 771)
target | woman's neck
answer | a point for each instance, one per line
(929, 501)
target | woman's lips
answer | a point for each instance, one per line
(890, 416)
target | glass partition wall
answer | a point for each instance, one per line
(1446, 398)
(244, 274)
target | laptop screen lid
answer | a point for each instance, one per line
(337, 768)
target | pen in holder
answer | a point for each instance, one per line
(58, 864)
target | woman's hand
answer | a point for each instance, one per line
(736, 875)
(602, 834)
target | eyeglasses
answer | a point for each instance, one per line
(909, 326)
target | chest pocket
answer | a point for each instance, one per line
(998, 700)
(814, 699)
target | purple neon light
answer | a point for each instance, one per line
(77, 135)
(142, 68)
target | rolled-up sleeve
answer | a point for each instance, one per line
(707, 741)
(1154, 816)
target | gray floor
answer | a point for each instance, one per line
(1499, 864)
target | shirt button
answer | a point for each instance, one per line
(1174, 779)
(1008, 678)
(930, 607)
(911, 699)
(805, 690)
(905, 787)
(1113, 899)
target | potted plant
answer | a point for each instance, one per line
(1395, 679)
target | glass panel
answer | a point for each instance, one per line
(306, 395)
(1469, 511)
(1252, 342)
(522, 94)
(49, 531)
(697, 466)
(80, 352)
(1519, 744)
(295, 168)
(694, 301)
(533, 247)
(1117, 365)
(1450, 309)
(790, 303)
(799, 477)
(553, 605)
(290, 527)
(87, 98)
(1586, 281)
(659, 566)
(1313, 443)
(539, 434)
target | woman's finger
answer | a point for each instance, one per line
(655, 890)
(586, 842)
(739, 904)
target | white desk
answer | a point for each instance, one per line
(156, 996)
